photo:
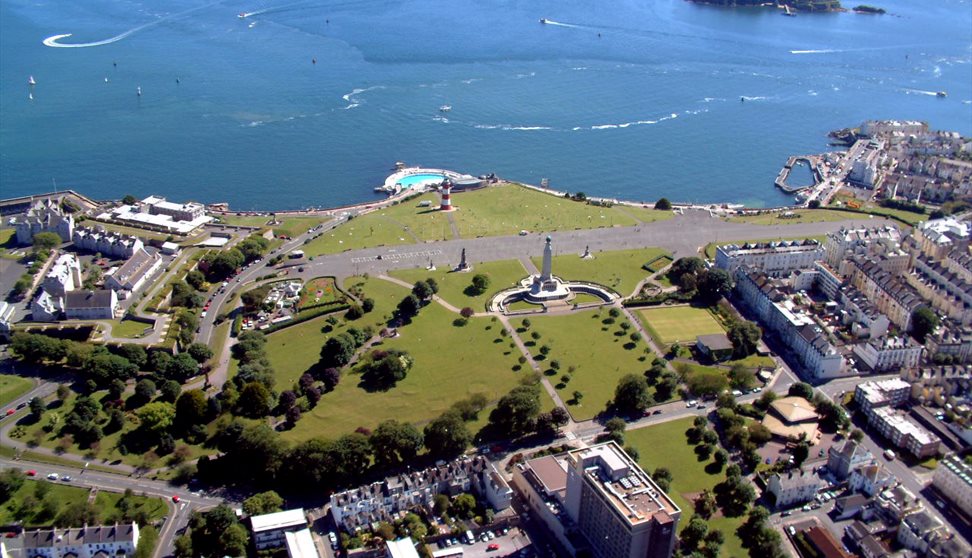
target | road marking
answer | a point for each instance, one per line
(396, 256)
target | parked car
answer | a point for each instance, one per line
(492, 547)
(66, 478)
(52, 476)
(30, 473)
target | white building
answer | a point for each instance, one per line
(108, 244)
(889, 354)
(850, 456)
(6, 319)
(938, 237)
(402, 548)
(90, 305)
(794, 487)
(158, 214)
(953, 479)
(87, 542)
(892, 392)
(44, 216)
(63, 276)
(269, 530)
(903, 432)
(919, 530)
(776, 258)
(46, 308)
(843, 243)
(133, 273)
(871, 479)
(300, 544)
(864, 170)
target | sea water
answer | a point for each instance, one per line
(310, 103)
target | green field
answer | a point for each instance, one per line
(12, 387)
(595, 350)
(59, 496)
(320, 290)
(646, 214)
(802, 216)
(620, 270)
(450, 363)
(129, 329)
(452, 286)
(508, 209)
(679, 323)
(665, 445)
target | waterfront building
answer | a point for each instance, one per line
(865, 171)
(107, 244)
(793, 487)
(843, 460)
(953, 479)
(903, 432)
(44, 216)
(90, 305)
(871, 479)
(902, 128)
(155, 213)
(269, 530)
(63, 276)
(889, 353)
(133, 273)
(775, 259)
(157, 205)
(843, 243)
(380, 501)
(86, 542)
(795, 328)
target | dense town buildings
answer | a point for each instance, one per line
(86, 542)
(776, 258)
(793, 487)
(107, 244)
(953, 479)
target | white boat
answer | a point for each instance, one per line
(942, 94)
(106, 79)
(243, 15)
(543, 20)
(445, 108)
(138, 91)
(30, 96)
(31, 81)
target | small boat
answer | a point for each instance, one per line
(445, 108)
(106, 79)
(941, 94)
(543, 20)
(787, 11)
(138, 91)
(30, 96)
(742, 99)
(242, 15)
(31, 81)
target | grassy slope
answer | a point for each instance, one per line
(12, 387)
(501, 274)
(620, 270)
(665, 445)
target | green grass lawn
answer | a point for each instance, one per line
(107, 502)
(130, 329)
(8, 239)
(646, 214)
(61, 496)
(508, 209)
(665, 445)
(620, 270)
(452, 286)
(599, 356)
(755, 361)
(802, 216)
(679, 323)
(320, 290)
(12, 387)
(450, 363)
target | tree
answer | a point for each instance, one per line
(712, 284)
(741, 377)
(684, 272)
(801, 389)
(37, 407)
(516, 412)
(368, 304)
(464, 506)
(447, 436)
(199, 352)
(181, 367)
(705, 504)
(169, 391)
(383, 369)
(480, 283)
(145, 390)
(924, 321)
(408, 308)
(693, 534)
(196, 279)
(337, 350)
(744, 336)
(856, 435)
(330, 377)
(422, 290)
(136, 354)
(255, 400)
(156, 417)
(734, 494)
(800, 452)
(262, 503)
(191, 409)
(631, 396)
(395, 443)
(104, 367)
(663, 204)
(662, 477)
(46, 241)
(10, 482)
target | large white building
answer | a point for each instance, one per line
(794, 487)
(270, 530)
(99, 541)
(843, 243)
(892, 392)
(380, 501)
(903, 432)
(90, 305)
(889, 354)
(776, 258)
(953, 479)
(63, 276)
(107, 244)
(44, 216)
(133, 273)
(938, 237)
(158, 214)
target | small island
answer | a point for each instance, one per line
(790, 5)
(865, 9)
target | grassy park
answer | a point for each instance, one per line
(620, 270)
(599, 354)
(39, 502)
(665, 445)
(129, 329)
(451, 363)
(453, 286)
(680, 324)
(12, 387)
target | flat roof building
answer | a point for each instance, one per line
(300, 544)
(953, 478)
(269, 530)
(402, 548)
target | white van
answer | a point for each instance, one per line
(889, 455)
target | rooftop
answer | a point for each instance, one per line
(794, 409)
(278, 520)
(904, 425)
(715, 341)
(551, 472)
(300, 544)
(402, 548)
(623, 483)
(961, 469)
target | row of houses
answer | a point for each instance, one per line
(98, 541)
(878, 401)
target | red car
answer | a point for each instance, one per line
(11, 411)
(175, 499)
(493, 546)
(30, 473)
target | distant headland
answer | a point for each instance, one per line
(789, 5)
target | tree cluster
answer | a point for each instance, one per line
(224, 263)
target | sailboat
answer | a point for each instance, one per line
(31, 81)
(138, 90)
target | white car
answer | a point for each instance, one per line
(52, 476)
(691, 403)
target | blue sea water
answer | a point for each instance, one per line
(632, 99)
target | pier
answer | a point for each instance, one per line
(813, 161)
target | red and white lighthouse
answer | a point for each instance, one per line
(446, 192)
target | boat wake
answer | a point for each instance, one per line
(284, 8)
(53, 41)
(353, 99)
(816, 51)
(625, 124)
(562, 24)
(920, 92)
(756, 98)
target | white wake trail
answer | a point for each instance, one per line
(52, 41)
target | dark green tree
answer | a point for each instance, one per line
(663, 204)
(395, 443)
(631, 396)
(924, 321)
(447, 436)
(516, 412)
